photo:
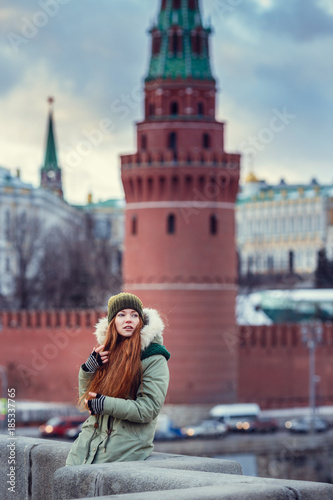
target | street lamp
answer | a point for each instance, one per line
(312, 334)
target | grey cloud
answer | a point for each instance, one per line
(301, 20)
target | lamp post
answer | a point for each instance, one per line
(312, 333)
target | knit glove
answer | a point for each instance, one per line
(96, 406)
(93, 362)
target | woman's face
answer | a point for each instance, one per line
(126, 322)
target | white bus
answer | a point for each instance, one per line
(236, 416)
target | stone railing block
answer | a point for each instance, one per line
(139, 477)
(228, 492)
(35, 463)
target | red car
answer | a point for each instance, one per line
(264, 424)
(57, 426)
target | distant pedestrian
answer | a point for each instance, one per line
(123, 384)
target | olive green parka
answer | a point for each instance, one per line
(125, 431)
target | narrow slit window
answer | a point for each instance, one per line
(171, 224)
(134, 225)
(213, 224)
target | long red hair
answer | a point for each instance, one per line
(121, 376)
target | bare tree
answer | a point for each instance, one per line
(26, 240)
(75, 271)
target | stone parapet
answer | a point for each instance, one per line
(40, 473)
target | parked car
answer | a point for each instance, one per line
(73, 432)
(206, 428)
(303, 424)
(264, 424)
(57, 426)
(237, 417)
(165, 429)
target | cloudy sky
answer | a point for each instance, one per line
(272, 60)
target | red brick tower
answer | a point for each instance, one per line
(180, 190)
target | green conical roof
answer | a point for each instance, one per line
(50, 162)
(180, 58)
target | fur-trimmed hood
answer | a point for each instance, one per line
(152, 330)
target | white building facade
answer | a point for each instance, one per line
(281, 228)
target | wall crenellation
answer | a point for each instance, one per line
(49, 319)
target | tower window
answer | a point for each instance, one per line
(206, 141)
(151, 109)
(174, 44)
(191, 4)
(164, 4)
(172, 141)
(176, 4)
(150, 185)
(171, 224)
(161, 183)
(174, 185)
(196, 44)
(174, 108)
(143, 141)
(156, 44)
(200, 109)
(134, 228)
(213, 224)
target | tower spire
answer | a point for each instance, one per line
(180, 42)
(50, 172)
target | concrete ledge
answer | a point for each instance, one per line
(36, 460)
(135, 477)
(182, 462)
(228, 492)
(40, 474)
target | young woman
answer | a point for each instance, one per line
(123, 384)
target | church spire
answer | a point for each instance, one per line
(50, 172)
(180, 43)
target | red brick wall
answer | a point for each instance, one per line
(274, 366)
(42, 352)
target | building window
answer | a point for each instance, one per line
(134, 228)
(7, 264)
(200, 109)
(102, 229)
(206, 141)
(191, 4)
(213, 224)
(291, 261)
(7, 226)
(172, 141)
(164, 4)
(143, 141)
(176, 4)
(171, 224)
(174, 108)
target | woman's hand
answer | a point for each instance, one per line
(104, 355)
(96, 404)
(97, 358)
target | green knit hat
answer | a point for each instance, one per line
(124, 301)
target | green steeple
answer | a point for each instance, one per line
(180, 43)
(50, 162)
